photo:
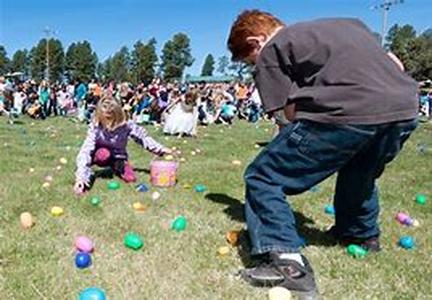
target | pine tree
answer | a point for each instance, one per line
(208, 67)
(176, 56)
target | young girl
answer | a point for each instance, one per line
(105, 144)
(183, 118)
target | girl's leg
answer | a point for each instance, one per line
(124, 170)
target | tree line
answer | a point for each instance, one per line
(140, 64)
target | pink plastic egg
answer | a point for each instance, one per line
(84, 244)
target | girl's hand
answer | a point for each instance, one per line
(79, 187)
(166, 151)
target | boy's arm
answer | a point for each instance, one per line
(396, 60)
(140, 136)
(84, 159)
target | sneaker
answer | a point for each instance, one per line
(371, 244)
(287, 273)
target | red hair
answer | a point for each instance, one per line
(250, 23)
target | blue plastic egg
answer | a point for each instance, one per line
(329, 209)
(141, 188)
(407, 242)
(82, 260)
(92, 293)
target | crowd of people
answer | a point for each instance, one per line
(179, 107)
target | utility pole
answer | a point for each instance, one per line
(49, 32)
(385, 6)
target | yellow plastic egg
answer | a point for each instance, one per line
(31, 170)
(224, 250)
(169, 157)
(138, 206)
(63, 161)
(57, 211)
(193, 152)
(236, 162)
(182, 159)
(46, 185)
(279, 293)
(26, 220)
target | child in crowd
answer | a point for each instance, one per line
(44, 94)
(183, 118)
(106, 141)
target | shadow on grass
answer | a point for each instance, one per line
(142, 170)
(262, 144)
(235, 208)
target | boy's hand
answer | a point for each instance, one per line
(79, 187)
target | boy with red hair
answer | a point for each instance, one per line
(354, 109)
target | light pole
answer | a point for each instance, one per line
(49, 32)
(385, 6)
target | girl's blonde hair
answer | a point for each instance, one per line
(107, 105)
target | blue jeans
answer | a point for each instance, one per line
(304, 154)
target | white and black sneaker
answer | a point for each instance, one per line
(276, 269)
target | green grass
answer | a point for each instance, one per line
(39, 263)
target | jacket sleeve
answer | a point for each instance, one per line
(84, 159)
(141, 137)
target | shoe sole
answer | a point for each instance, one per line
(301, 295)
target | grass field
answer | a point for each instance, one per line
(39, 263)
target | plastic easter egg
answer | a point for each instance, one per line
(179, 224)
(421, 199)
(26, 220)
(193, 153)
(407, 242)
(46, 185)
(133, 241)
(57, 211)
(113, 185)
(48, 178)
(416, 223)
(199, 188)
(198, 150)
(329, 209)
(314, 189)
(142, 188)
(92, 293)
(184, 142)
(31, 170)
(84, 244)
(138, 206)
(95, 200)
(58, 168)
(404, 219)
(236, 162)
(256, 146)
(279, 293)
(82, 260)
(155, 195)
(182, 159)
(356, 251)
(174, 148)
(169, 157)
(224, 250)
(63, 161)
(232, 237)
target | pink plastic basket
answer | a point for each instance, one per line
(163, 173)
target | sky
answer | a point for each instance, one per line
(108, 25)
